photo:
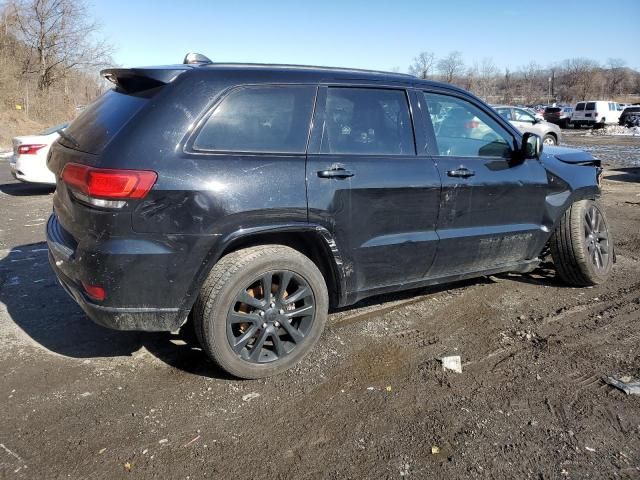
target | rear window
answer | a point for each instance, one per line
(580, 107)
(552, 110)
(271, 119)
(591, 106)
(568, 110)
(631, 109)
(100, 121)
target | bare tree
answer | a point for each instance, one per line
(531, 83)
(508, 87)
(579, 78)
(423, 65)
(617, 76)
(451, 66)
(486, 78)
(59, 35)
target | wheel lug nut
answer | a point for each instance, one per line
(276, 324)
(281, 312)
(273, 305)
(264, 325)
(261, 314)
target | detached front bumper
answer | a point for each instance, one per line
(70, 267)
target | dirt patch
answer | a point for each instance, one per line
(371, 401)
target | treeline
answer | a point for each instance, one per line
(50, 55)
(567, 81)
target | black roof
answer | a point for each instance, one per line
(276, 72)
(319, 70)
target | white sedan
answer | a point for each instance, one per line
(29, 161)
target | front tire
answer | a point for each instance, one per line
(549, 140)
(261, 310)
(581, 245)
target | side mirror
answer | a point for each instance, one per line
(531, 146)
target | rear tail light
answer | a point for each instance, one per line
(27, 149)
(107, 188)
(94, 291)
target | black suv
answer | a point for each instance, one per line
(630, 116)
(253, 198)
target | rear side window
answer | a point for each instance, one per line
(101, 121)
(591, 106)
(264, 119)
(367, 121)
(552, 110)
(579, 107)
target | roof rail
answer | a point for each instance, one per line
(193, 58)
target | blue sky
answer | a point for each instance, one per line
(369, 34)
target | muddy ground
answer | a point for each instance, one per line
(372, 401)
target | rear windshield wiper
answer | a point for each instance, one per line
(68, 138)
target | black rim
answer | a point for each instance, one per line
(597, 237)
(271, 317)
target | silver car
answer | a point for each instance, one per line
(526, 122)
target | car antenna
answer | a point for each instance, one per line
(193, 58)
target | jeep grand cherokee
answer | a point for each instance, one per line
(253, 198)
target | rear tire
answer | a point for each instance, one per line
(274, 333)
(581, 245)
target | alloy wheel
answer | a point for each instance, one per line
(597, 237)
(271, 317)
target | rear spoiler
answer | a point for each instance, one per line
(131, 80)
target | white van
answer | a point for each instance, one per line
(595, 112)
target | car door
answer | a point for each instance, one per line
(491, 208)
(369, 188)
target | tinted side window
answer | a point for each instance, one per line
(266, 119)
(367, 121)
(463, 130)
(591, 106)
(580, 107)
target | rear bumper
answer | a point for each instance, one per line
(71, 266)
(31, 171)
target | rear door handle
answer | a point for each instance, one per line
(335, 172)
(462, 172)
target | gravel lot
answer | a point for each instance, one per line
(372, 401)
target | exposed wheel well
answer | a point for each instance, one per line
(309, 244)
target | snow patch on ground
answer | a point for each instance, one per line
(615, 130)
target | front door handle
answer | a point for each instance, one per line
(462, 172)
(335, 172)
